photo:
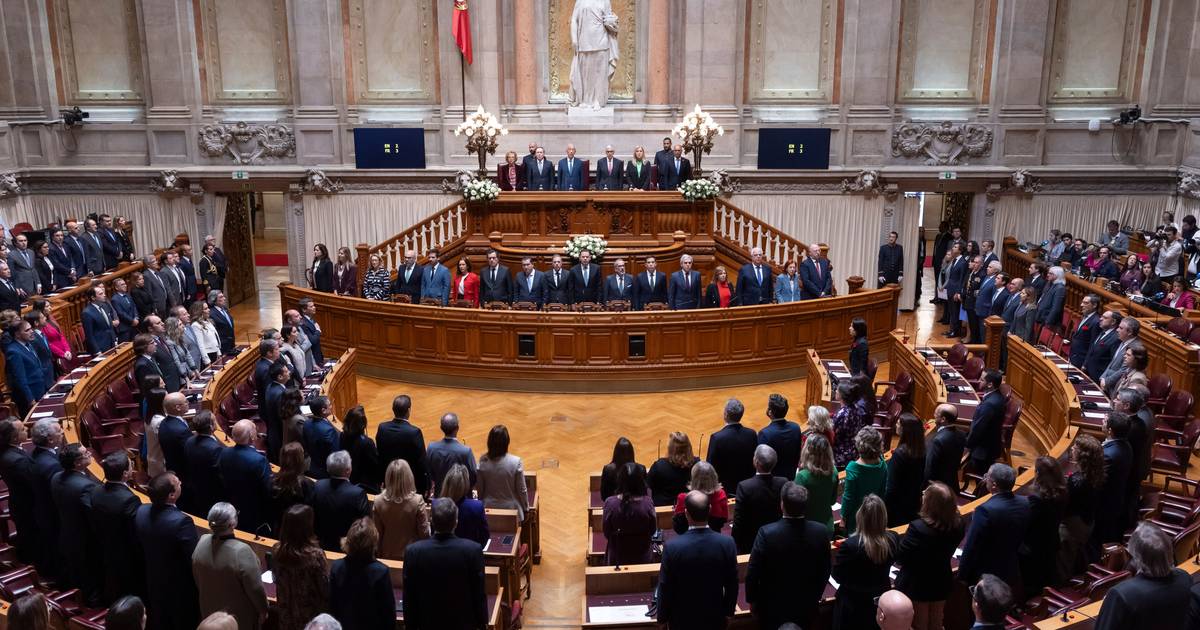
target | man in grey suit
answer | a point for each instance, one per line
(448, 451)
(93, 248)
(172, 277)
(155, 285)
(620, 285)
(21, 260)
(1050, 305)
(1127, 332)
(436, 280)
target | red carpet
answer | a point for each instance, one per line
(270, 260)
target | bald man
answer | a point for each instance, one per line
(173, 434)
(895, 611)
(945, 451)
(246, 476)
(609, 171)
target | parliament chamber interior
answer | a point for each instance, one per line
(888, 312)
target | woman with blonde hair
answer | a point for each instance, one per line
(345, 273)
(670, 475)
(472, 522)
(205, 331)
(704, 479)
(378, 280)
(175, 345)
(510, 175)
(399, 513)
(861, 567)
(924, 555)
(819, 476)
(819, 422)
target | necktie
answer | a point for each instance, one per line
(758, 274)
(687, 280)
(620, 284)
(817, 264)
(556, 278)
(651, 277)
(493, 275)
(529, 281)
(585, 276)
(432, 268)
(407, 273)
(676, 166)
(570, 166)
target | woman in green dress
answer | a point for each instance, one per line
(818, 475)
(864, 476)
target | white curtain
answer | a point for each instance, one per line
(345, 220)
(909, 209)
(1030, 218)
(849, 224)
(218, 218)
(156, 219)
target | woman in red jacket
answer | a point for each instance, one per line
(1180, 297)
(466, 283)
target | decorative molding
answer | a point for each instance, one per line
(296, 194)
(423, 38)
(1189, 184)
(10, 185)
(1092, 12)
(64, 42)
(318, 183)
(941, 145)
(196, 195)
(460, 181)
(268, 141)
(825, 16)
(169, 182)
(726, 183)
(1021, 181)
(427, 186)
(910, 42)
(751, 185)
(214, 73)
(867, 182)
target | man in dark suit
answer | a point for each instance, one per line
(757, 499)
(990, 603)
(891, 261)
(76, 249)
(984, 438)
(944, 454)
(408, 278)
(675, 170)
(1001, 295)
(125, 310)
(155, 285)
(246, 477)
(71, 489)
(65, 272)
(698, 581)
(1116, 492)
(530, 284)
(448, 451)
(620, 285)
(111, 518)
(609, 171)
(99, 322)
(731, 450)
(529, 157)
(1159, 596)
(975, 275)
(268, 355)
(203, 452)
(584, 280)
(495, 282)
(218, 306)
(399, 439)
(336, 502)
(312, 330)
(539, 173)
(277, 377)
(777, 593)
(1086, 331)
(664, 155)
(782, 435)
(570, 172)
(46, 435)
(1101, 352)
(172, 379)
(443, 577)
(168, 539)
(755, 281)
(21, 260)
(815, 275)
(92, 248)
(26, 378)
(321, 438)
(17, 470)
(111, 245)
(555, 288)
(1037, 277)
(184, 260)
(997, 531)
(1053, 296)
(435, 282)
(173, 434)
(10, 295)
(683, 292)
(956, 280)
(651, 285)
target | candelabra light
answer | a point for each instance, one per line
(483, 131)
(696, 131)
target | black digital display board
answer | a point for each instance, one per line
(389, 147)
(793, 147)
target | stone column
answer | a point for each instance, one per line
(658, 56)
(1024, 31)
(523, 47)
(26, 88)
(171, 89)
(316, 39)
(293, 216)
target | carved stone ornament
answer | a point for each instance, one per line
(724, 181)
(1189, 184)
(867, 182)
(460, 181)
(169, 182)
(196, 194)
(317, 182)
(10, 185)
(247, 144)
(1021, 181)
(941, 145)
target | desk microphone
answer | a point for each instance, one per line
(659, 448)
(258, 530)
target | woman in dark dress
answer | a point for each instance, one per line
(289, 486)
(924, 556)
(637, 171)
(364, 456)
(721, 293)
(320, 273)
(858, 350)
(142, 299)
(298, 565)
(360, 587)
(42, 263)
(861, 567)
(670, 475)
(622, 454)
(1083, 496)
(1047, 504)
(629, 519)
(906, 472)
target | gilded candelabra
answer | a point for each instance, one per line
(697, 131)
(483, 131)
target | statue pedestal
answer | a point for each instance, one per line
(585, 115)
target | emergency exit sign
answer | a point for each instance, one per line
(947, 175)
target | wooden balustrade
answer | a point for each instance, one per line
(341, 384)
(735, 227)
(443, 230)
(228, 378)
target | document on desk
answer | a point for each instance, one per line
(618, 614)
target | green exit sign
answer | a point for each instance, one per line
(947, 175)
(241, 175)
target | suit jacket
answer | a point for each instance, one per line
(780, 594)
(93, 251)
(1086, 331)
(984, 438)
(399, 439)
(682, 296)
(202, 454)
(1038, 283)
(750, 291)
(361, 595)
(46, 276)
(983, 299)
(660, 159)
(610, 179)
(346, 283)
(445, 453)
(731, 453)
(17, 469)
(943, 456)
(556, 292)
(1146, 602)
(443, 584)
(173, 434)
(997, 530)
(543, 180)
(698, 581)
(1022, 323)
(71, 492)
(64, 265)
(412, 285)
(10, 300)
(645, 294)
(111, 518)
(526, 293)
(437, 284)
(627, 291)
(757, 506)
(815, 287)
(157, 288)
(314, 337)
(956, 278)
(246, 477)
(26, 378)
(320, 439)
(223, 322)
(322, 276)
(78, 253)
(168, 539)
(924, 556)
(589, 291)
(45, 466)
(670, 177)
(1050, 305)
(502, 177)
(336, 504)
(98, 332)
(891, 262)
(24, 276)
(189, 279)
(1101, 352)
(1116, 365)
(110, 247)
(173, 283)
(1111, 513)
(229, 578)
(1108, 269)
(126, 311)
(645, 180)
(572, 179)
(498, 289)
(785, 437)
(787, 288)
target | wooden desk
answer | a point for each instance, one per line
(341, 383)
(1051, 402)
(634, 585)
(504, 531)
(664, 520)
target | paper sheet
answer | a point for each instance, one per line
(968, 402)
(42, 414)
(1096, 416)
(618, 614)
(1093, 392)
(841, 374)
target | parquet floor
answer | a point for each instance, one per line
(565, 438)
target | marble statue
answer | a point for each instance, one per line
(594, 37)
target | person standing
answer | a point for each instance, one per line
(399, 439)
(571, 172)
(227, 573)
(360, 587)
(757, 499)
(1157, 596)
(684, 290)
(609, 171)
(997, 530)
(731, 450)
(539, 172)
(435, 281)
(891, 261)
(168, 538)
(697, 581)
(756, 281)
(776, 591)
(925, 554)
(815, 279)
(443, 577)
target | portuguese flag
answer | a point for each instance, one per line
(461, 28)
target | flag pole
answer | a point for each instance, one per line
(462, 75)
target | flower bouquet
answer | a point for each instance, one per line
(480, 190)
(698, 189)
(587, 242)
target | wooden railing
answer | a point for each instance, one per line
(738, 228)
(341, 383)
(442, 229)
(228, 378)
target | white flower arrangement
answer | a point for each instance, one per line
(480, 190)
(698, 123)
(699, 189)
(481, 123)
(589, 242)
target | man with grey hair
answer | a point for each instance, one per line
(1158, 595)
(448, 451)
(443, 576)
(757, 499)
(47, 436)
(684, 289)
(323, 621)
(409, 278)
(731, 450)
(619, 285)
(1127, 332)
(609, 171)
(997, 530)
(246, 477)
(570, 172)
(336, 502)
(227, 571)
(815, 280)
(1050, 303)
(155, 284)
(755, 281)
(1086, 331)
(1131, 401)
(778, 594)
